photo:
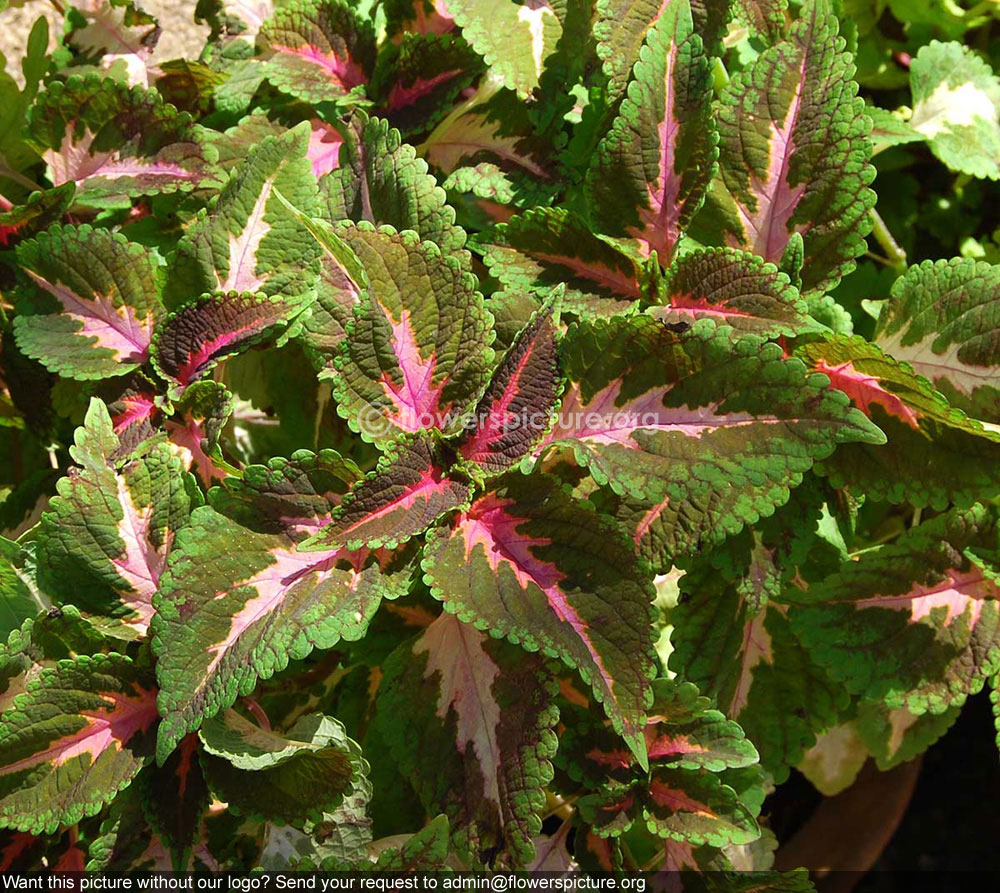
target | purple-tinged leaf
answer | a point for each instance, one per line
(324, 147)
(294, 496)
(471, 722)
(915, 622)
(194, 430)
(404, 496)
(116, 143)
(104, 543)
(239, 602)
(766, 18)
(794, 155)
(319, 50)
(175, 797)
(546, 247)
(417, 83)
(191, 340)
(418, 17)
(529, 563)
(735, 289)
(250, 240)
(622, 26)
(93, 303)
(516, 410)
(651, 171)
(79, 734)
(419, 352)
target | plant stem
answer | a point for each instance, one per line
(258, 713)
(895, 254)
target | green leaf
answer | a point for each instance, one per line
(651, 170)
(515, 39)
(104, 544)
(238, 603)
(18, 602)
(914, 622)
(93, 304)
(78, 735)
(794, 155)
(404, 496)
(117, 142)
(471, 721)
(714, 427)
(319, 50)
(419, 351)
(311, 768)
(956, 108)
(766, 18)
(529, 563)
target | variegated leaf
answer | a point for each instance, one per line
(404, 496)
(941, 319)
(238, 602)
(925, 433)
(794, 155)
(104, 545)
(192, 339)
(319, 50)
(651, 171)
(471, 721)
(914, 622)
(78, 735)
(93, 304)
(546, 247)
(249, 241)
(702, 423)
(515, 39)
(115, 142)
(284, 778)
(516, 410)
(419, 352)
(735, 289)
(527, 562)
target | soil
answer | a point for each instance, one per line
(181, 35)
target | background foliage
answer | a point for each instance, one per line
(270, 597)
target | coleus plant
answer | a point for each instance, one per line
(430, 440)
